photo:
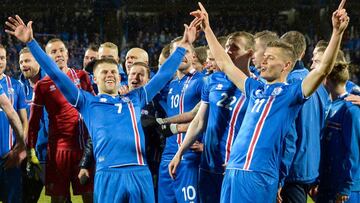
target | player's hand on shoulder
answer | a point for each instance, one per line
(17, 28)
(355, 99)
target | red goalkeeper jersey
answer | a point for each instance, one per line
(66, 129)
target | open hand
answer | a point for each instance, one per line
(191, 31)
(203, 15)
(17, 28)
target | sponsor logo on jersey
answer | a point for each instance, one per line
(11, 91)
(219, 87)
(277, 91)
(52, 88)
(101, 159)
(125, 99)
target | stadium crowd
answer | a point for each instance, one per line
(199, 113)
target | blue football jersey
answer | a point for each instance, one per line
(113, 122)
(340, 151)
(15, 93)
(1, 90)
(227, 107)
(351, 87)
(116, 146)
(308, 128)
(42, 140)
(271, 111)
(182, 97)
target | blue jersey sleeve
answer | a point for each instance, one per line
(21, 103)
(62, 81)
(205, 91)
(288, 153)
(351, 133)
(166, 72)
(351, 87)
(296, 93)
(250, 85)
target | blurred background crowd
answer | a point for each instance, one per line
(151, 24)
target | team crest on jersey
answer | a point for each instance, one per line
(170, 90)
(77, 82)
(276, 91)
(125, 99)
(219, 87)
(11, 91)
(103, 100)
(101, 159)
(52, 88)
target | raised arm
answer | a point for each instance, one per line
(222, 59)
(180, 118)
(340, 21)
(168, 69)
(24, 33)
(165, 73)
(197, 125)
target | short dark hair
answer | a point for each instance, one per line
(143, 65)
(340, 73)
(286, 47)
(201, 53)
(249, 38)
(222, 40)
(321, 43)
(266, 36)
(93, 47)
(166, 51)
(297, 39)
(24, 50)
(92, 65)
(54, 40)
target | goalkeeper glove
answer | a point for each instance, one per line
(33, 167)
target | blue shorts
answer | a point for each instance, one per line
(248, 186)
(210, 186)
(10, 184)
(131, 184)
(184, 188)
